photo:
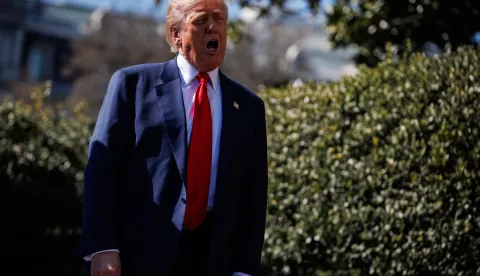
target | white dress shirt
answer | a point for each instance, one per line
(189, 84)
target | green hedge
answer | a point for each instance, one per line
(377, 174)
(42, 156)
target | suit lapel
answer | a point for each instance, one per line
(227, 138)
(170, 97)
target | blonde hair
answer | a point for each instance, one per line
(177, 11)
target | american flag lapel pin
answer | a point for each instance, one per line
(236, 105)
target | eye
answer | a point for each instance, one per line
(199, 20)
(218, 18)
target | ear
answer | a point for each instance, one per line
(175, 33)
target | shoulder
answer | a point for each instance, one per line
(148, 70)
(138, 75)
(127, 81)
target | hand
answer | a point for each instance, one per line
(106, 264)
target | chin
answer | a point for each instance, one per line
(211, 62)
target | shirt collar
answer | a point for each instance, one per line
(188, 73)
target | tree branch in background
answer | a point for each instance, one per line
(371, 24)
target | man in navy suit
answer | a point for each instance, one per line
(176, 179)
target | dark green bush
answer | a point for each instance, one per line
(42, 156)
(377, 174)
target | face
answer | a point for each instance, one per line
(202, 37)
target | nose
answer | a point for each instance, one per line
(212, 26)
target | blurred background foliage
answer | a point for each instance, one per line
(431, 25)
(375, 174)
(42, 157)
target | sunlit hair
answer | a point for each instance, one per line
(177, 11)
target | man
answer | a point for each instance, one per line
(176, 179)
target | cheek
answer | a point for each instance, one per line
(197, 40)
(189, 37)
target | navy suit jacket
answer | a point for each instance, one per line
(135, 178)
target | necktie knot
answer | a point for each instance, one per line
(203, 77)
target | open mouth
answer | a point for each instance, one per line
(212, 46)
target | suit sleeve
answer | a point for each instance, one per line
(253, 205)
(106, 156)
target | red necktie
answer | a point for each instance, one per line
(199, 157)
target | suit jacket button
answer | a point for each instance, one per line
(184, 200)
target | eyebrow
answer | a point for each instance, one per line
(217, 11)
(200, 12)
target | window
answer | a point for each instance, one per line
(40, 61)
(7, 51)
